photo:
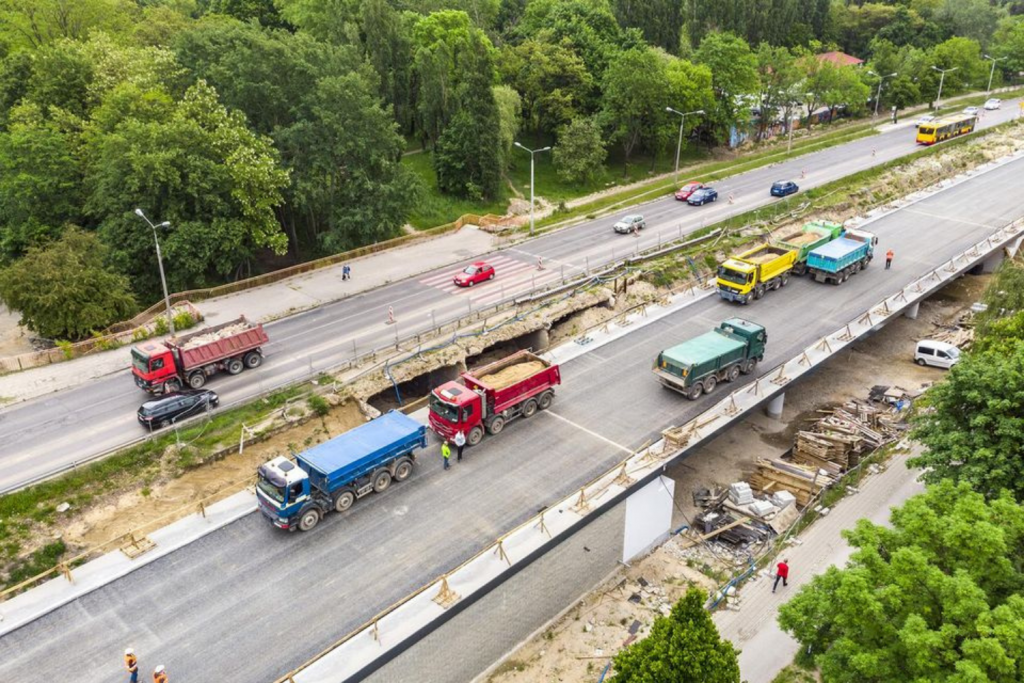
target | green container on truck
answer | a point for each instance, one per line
(696, 366)
(811, 236)
(750, 274)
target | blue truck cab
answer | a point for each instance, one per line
(836, 261)
(332, 475)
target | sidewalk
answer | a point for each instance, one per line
(271, 302)
(765, 648)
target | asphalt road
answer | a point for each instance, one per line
(248, 602)
(54, 431)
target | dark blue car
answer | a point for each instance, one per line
(783, 188)
(702, 196)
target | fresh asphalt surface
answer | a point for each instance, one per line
(57, 430)
(249, 602)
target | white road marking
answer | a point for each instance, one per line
(950, 218)
(588, 431)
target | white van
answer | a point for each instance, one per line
(937, 353)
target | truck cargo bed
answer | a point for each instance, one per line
(215, 344)
(512, 380)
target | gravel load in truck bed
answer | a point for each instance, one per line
(510, 375)
(210, 337)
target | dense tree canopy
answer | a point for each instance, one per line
(937, 597)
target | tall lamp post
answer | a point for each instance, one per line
(532, 152)
(881, 79)
(938, 98)
(160, 263)
(682, 122)
(992, 71)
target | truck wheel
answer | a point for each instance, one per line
(530, 408)
(694, 392)
(344, 500)
(172, 386)
(309, 519)
(496, 425)
(233, 366)
(748, 366)
(544, 402)
(253, 360)
(476, 435)
(759, 291)
(403, 469)
(710, 383)
(784, 281)
(732, 373)
(381, 481)
(196, 380)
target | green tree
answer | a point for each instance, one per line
(963, 54)
(40, 180)
(1009, 43)
(974, 19)
(552, 80)
(734, 77)
(683, 647)
(387, 40)
(263, 11)
(580, 153)
(33, 23)
(779, 79)
(635, 90)
(65, 290)
(331, 21)
(196, 164)
(510, 112)
(588, 26)
(660, 21)
(937, 597)
(62, 75)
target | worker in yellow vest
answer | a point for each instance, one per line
(160, 674)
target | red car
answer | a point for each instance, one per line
(472, 274)
(686, 190)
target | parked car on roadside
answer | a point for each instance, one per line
(632, 223)
(683, 193)
(481, 271)
(175, 407)
(703, 196)
(993, 103)
(782, 188)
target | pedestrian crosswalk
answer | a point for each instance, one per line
(512, 277)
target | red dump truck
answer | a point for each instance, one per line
(165, 366)
(488, 397)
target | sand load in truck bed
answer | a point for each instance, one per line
(204, 338)
(511, 375)
(761, 258)
(801, 238)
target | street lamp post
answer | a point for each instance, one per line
(942, 78)
(160, 263)
(682, 122)
(992, 71)
(881, 79)
(532, 152)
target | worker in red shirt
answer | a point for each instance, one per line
(888, 258)
(781, 572)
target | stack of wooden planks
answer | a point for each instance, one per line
(801, 480)
(836, 441)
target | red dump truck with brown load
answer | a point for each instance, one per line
(165, 366)
(488, 397)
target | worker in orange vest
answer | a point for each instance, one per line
(160, 674)
(888, 258)
(131, 663)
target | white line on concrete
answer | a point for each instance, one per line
(588, 431)
(950, 218)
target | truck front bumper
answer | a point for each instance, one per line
(730, 295)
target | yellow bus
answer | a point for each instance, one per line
(945, 128)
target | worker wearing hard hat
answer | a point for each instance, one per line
(131, 663)
(160, 674)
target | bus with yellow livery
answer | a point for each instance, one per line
(945, 128)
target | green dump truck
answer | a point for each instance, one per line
(696, 366)
(808, 238)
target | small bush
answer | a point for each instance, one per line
(319, 405)
(160, 325)
(183, 320)
(66, 348)
(140, 334)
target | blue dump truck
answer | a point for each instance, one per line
(836, 261)
(332, 475)
(697, 366)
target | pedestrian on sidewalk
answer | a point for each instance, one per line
(160, 674)
(460, 443)
(888, 258)
(131, 663)
(781, 572)
(446, 453)
(346, 272)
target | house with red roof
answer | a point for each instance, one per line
(839, 58)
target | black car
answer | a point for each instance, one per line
(703, 196)
(782, 188)
(173, 407)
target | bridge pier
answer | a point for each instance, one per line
(990, 263)
(912, 311)
(774, 407)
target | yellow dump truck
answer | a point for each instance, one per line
(748, 275)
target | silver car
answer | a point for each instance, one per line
(993, 103)
(632, 223)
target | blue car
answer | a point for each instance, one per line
(783, 188)
(702, 196)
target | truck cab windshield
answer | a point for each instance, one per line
(140, 361)
(443, 409)
(274, 492)
(733, 276)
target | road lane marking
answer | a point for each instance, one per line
(588, 431)
(950, 218)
